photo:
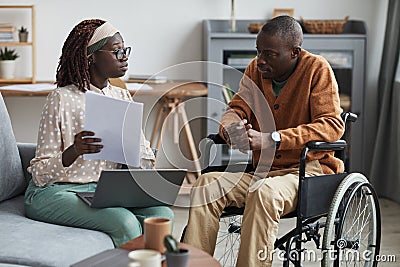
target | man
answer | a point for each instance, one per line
(301, 91)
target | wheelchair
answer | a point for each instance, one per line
(342, 209)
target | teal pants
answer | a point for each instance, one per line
(59, 204)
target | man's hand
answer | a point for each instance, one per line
(258, 140)
(236, 136)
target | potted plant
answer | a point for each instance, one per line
(7, 63)
(23, 34)
(175, 256)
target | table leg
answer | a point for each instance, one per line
(189, 137)
(175, 106)
(162, 115)
(176, 111)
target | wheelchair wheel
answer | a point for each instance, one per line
(228, 240)
(353, 228)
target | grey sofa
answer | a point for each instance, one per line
(25, 242)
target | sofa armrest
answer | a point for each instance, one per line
(26, 153)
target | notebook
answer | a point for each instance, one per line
(135, 188)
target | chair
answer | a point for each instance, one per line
(347, 211)
(118, 82)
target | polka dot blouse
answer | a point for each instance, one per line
(63, 116)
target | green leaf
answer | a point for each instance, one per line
(8, 54)
(23, 29)
(171, 244)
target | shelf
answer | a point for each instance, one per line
(26, 6)
(22, 72)
(220, 28)
(242, 67)
(16, 81)
(234, 67)
(16, 43)
(345, 53)
(341, 68)
(345, 102)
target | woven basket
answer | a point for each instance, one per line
(255, 27)
(324, 26)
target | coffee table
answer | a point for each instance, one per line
(119, 257)
(198, 258)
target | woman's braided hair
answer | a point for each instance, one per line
(73, 67)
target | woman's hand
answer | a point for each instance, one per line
(236, 136)
(83, 144)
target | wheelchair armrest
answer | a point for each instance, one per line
(216, 138)
(339, 145)
(332, 146)
(205, 147)
(349, 116)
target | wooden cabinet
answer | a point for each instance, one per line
(345, 52)
(21, 15)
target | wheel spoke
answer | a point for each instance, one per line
(359, 226)
(355, 208)
(358, 230)
(228, 240)
(356, 220)
(363, 226)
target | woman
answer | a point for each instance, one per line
(93, 52)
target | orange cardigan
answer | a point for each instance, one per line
(307, 109)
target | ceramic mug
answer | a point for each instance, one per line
(145, 258)
(155, 229)
(180, 259)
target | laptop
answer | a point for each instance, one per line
(135, 188)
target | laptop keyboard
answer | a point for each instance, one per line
(90, 199)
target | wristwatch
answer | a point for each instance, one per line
(276, 137)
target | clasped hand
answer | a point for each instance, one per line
(242, 136)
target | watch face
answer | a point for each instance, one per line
(276, 136)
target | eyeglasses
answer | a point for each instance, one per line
(120, 52)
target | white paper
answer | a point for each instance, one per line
(147, 77)
(36, 87)
(118, 123)
(138, 86)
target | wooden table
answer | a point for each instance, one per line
(178, 89)
(171, 95)
(198, 258)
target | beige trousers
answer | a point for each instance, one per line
(265, 201)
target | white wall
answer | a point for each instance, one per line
(164, 33)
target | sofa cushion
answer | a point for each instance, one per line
(27, 242)
(27, 153)
(12, 182)
(12, 265)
